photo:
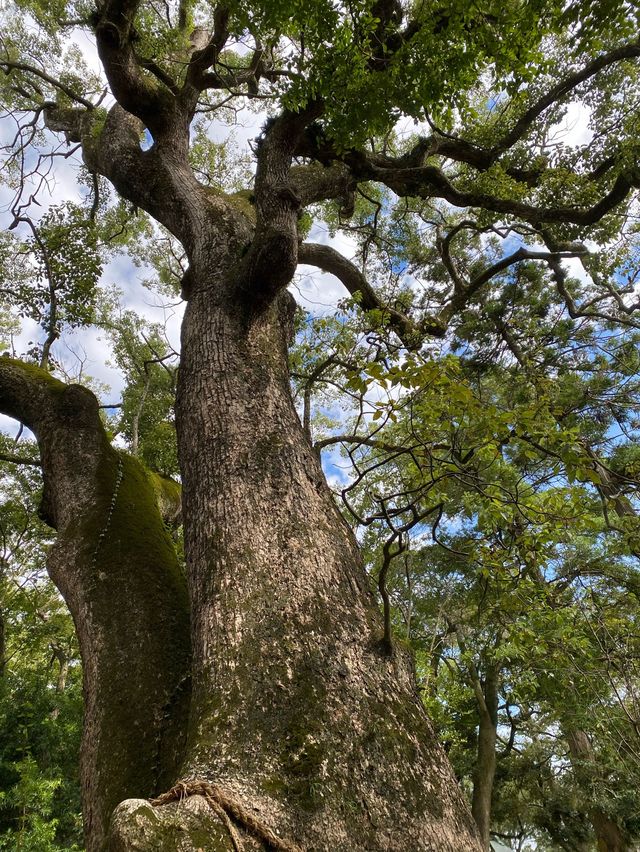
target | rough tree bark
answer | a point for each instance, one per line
(301, 722)
(302, 725)
(297, 710)
(296, 707)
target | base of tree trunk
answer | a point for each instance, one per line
(186, 826)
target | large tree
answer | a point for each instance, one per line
(266, 683)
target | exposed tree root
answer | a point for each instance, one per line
(227, 808)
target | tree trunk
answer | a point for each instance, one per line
(117, 571)
(609, 835)
(61, 658)
(297, 712)
(485, 767)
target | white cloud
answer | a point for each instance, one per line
(574, 129)
(9, 426)
(316, 291)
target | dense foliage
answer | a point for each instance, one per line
(40, 688)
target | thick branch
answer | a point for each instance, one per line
(203, 59)
(313, 183)
(465, 292)
(57, 84)
(11, 459)
(363, 440)
(330, 260)
(140, 95)
(111, 550)
(462, 151)
(271, 260)
(157, 180)
(431, 182)
(160, 74)
(409, 176)
(28, 394)
(625, 51)
(410, 332)
(388, 555)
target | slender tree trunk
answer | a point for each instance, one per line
(2, 639)
(485, 767)
(135, 420)
(61, 680)
(63, 671)
(609, 835)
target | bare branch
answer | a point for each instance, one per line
(31, 69)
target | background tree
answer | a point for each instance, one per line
(40, 688)
(482, 456)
